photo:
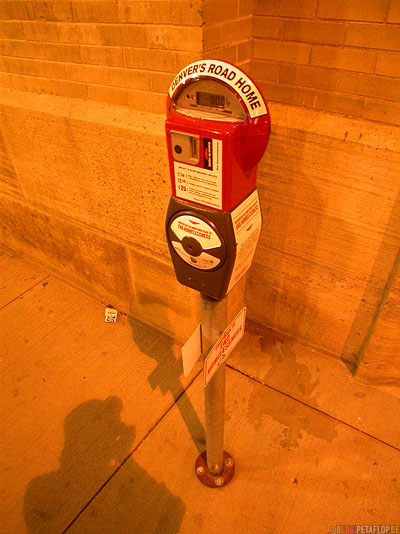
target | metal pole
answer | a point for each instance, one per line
(215, 467)
(214, 393)
(214, 401)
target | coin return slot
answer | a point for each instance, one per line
(185, 147)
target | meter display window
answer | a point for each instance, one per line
(210, 99)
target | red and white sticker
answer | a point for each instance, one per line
(202, 184)
(246, 221)
(224, 346)
(205, 261)
(191, 226)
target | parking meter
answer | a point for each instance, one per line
(217, 130)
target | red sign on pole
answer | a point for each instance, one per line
(224, 346)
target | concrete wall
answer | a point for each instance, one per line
(84, 178)
(380, 353)
(331, 207)
(90, 202)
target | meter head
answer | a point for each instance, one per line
(217, 128)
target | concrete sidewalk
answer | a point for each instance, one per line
(100, 432)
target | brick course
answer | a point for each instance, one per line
(343, 58)
(282, 51)
(388, 64)
(307, 76)
(378, 36)
(314, 32)
(366, 10)
(286, 8)
(394, 12)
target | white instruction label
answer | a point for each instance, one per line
(224, 346)
(202, 184)
(246, 221)
(191, 351)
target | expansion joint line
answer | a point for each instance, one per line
(315, 408)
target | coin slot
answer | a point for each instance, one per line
(194, 143)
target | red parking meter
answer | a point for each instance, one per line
(217, 130)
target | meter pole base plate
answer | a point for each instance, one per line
(210, 480)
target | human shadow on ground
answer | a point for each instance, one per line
(99, 487)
